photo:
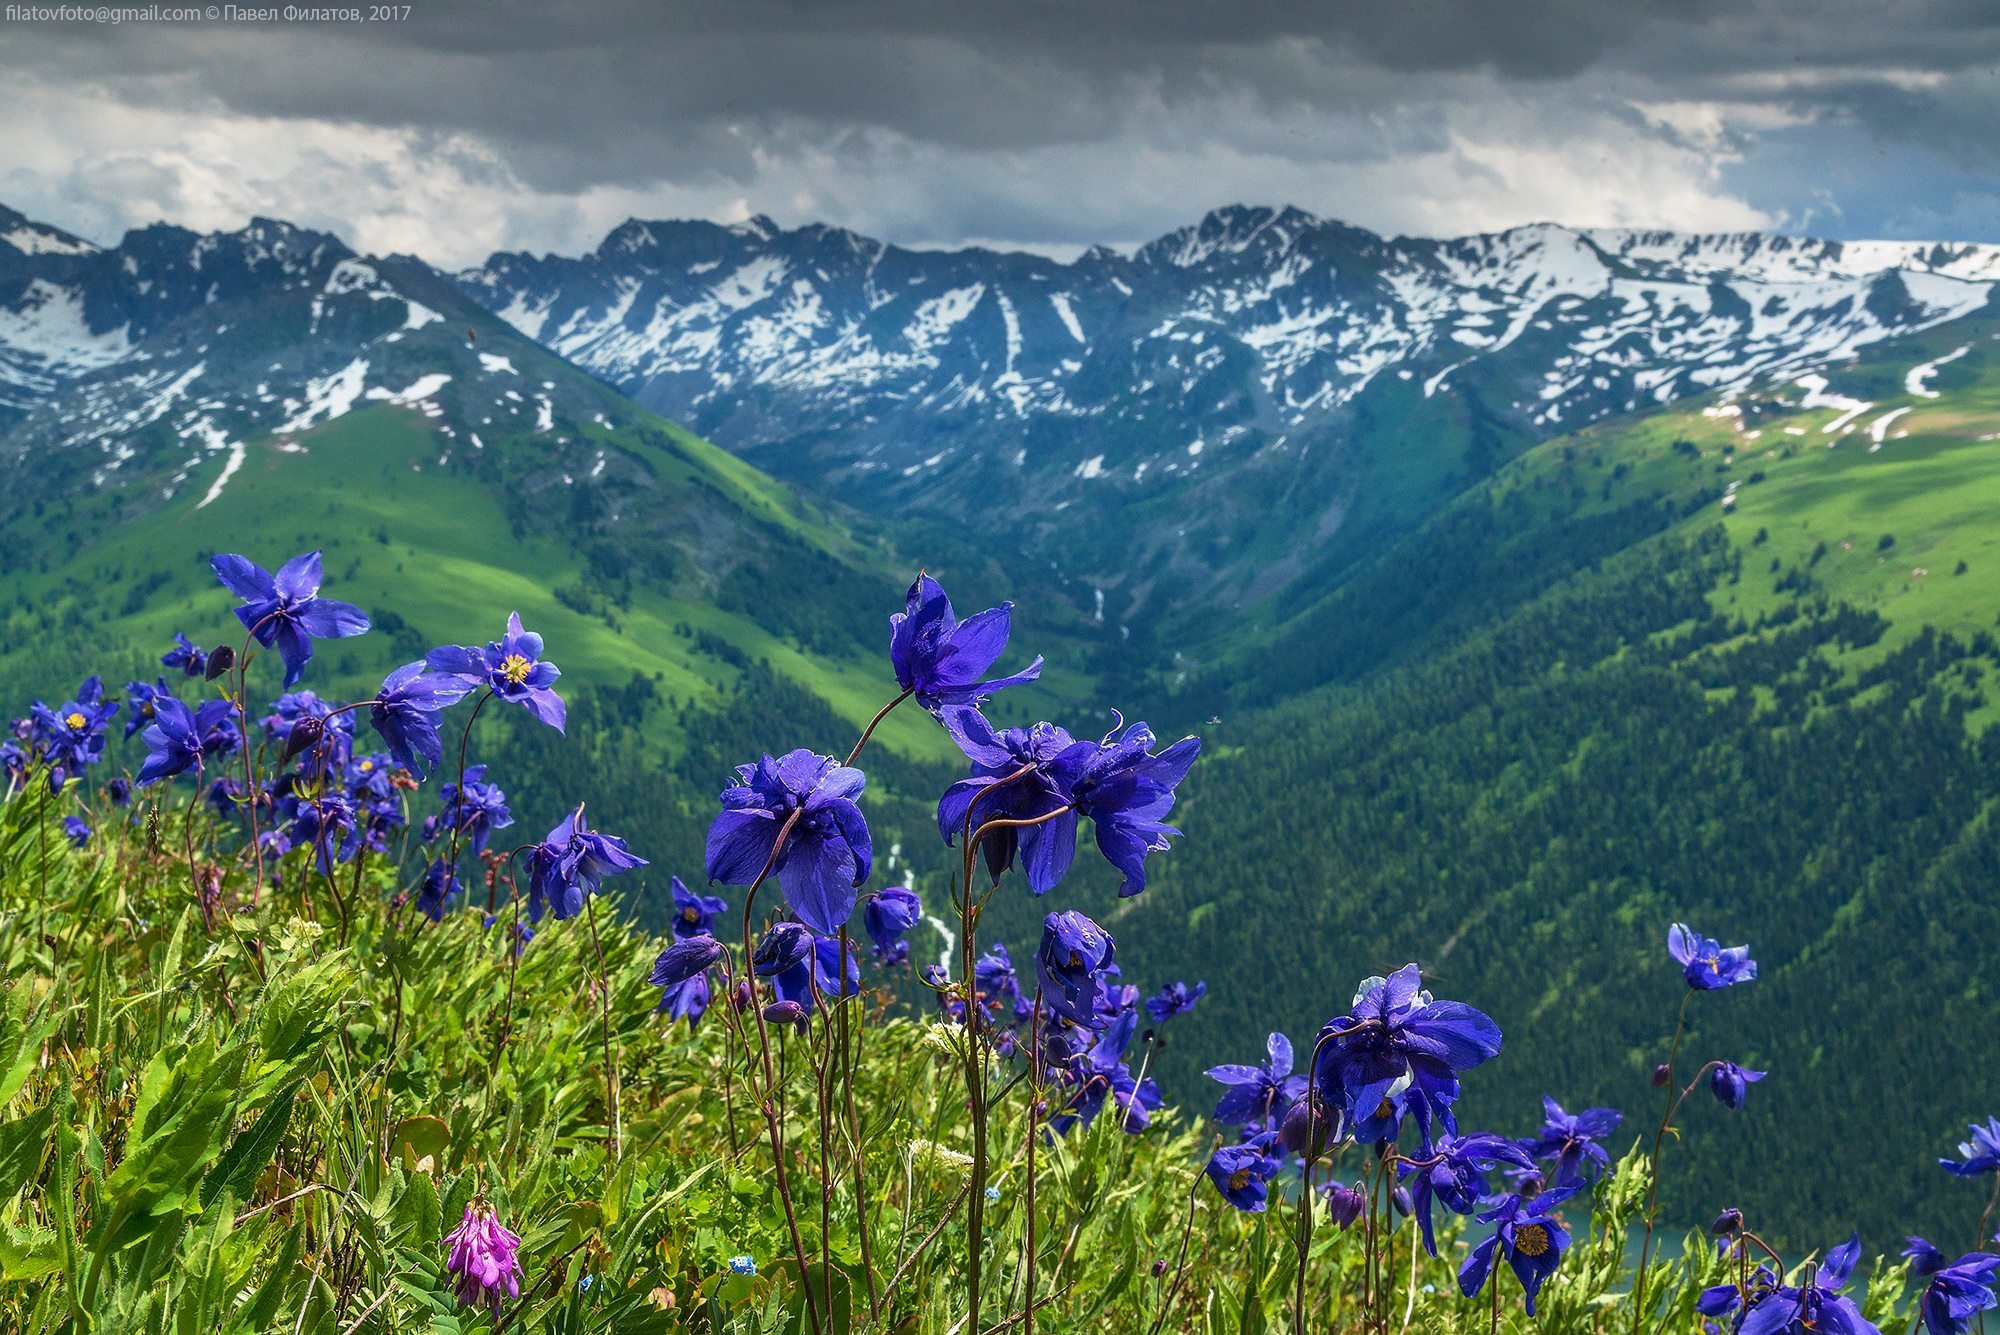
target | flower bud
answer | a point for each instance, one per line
(1344, 1204)
(1159, 1267)
(786, 1012)
(1728, 1223)
(1304, 1130)
(220, 660)
(1400, 1199)
(306, 733)
(1661, 1074)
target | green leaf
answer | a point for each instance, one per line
(21, 1144)
(21, 1040)
(236, 1172)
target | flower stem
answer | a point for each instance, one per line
(604, 999)
(1653, 1169)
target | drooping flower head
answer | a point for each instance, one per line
(1012, 779)
(1457, 1178)
(1070, 963)
(783, 946)
(285, 609)
(571, 863)
(1256, 1097)
(694, 915)
(887, 915)
(939, 659)
(1571, 1140)
(1816, 1307)
(687, 1000)
(485, 1259)
(406, 710)
(439, 888)
(688, 957)
(1176, 998)
(1344, 1203)
(77, 830)
(332, 738)
(1242, 1173)
(511, 667)
(1399, 1050)
(1705, 963)
(1731, 1083)
(1527, 1235)
(1980, 1154)
(1126, 791)
(174, 742)
(476, 808)
(185, 655)
(1958, 1290)
(1100, 1076)
(826, 855)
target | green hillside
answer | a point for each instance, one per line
(1590, 699)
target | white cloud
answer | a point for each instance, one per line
(1443, 165)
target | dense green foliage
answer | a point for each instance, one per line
(247, 1118)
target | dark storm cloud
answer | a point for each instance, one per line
(821, 101)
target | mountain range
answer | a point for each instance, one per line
(1530, 590)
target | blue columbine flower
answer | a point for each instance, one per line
(1070, 963)
(783, 946)
(1012, 779)
(335, 738)
(1527, 1236)
(476, 807)
(826, 856)
(76, 830)
(1731, 1083)
(510, 666)
(285, 609)
(1126, 791)
(812, 975)
(1958, 1291)
(1816, 1307)
(694, 915)
(1704, 962)
(688, 957)
(1242, 1173)
(1176, 998)
(71, 739)
(439, 888)
(887, 914)
(1255, 1097)
(174, 742)
(687, 1000)
(1100, 1075)
(1571, 1139)
(139, 698)
(405, 712)
(1398, 1050)
(939, 659)
(185, 655)
(327, 825)
(1979, 1155)
(1456, 1175)
(119, 790)
(1723, 1299)
(571, 863)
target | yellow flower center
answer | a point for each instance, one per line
(515, 668)
(1532, 1240)
(690, 915)
(367, 765)
(1239, 1179)
(77, 722)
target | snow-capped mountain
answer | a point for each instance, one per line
(1018, 393)
(156, 366)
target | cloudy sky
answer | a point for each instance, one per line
(483, 124)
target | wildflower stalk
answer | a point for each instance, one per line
(1653, 1169)
(1303, 1233)
(850, 1052)
(458, 799)
(1034, 1109)
(604, 999)
(767, 1097)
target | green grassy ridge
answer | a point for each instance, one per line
(186, 1145)
(1573, 501)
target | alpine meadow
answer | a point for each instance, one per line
(1063, 772)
